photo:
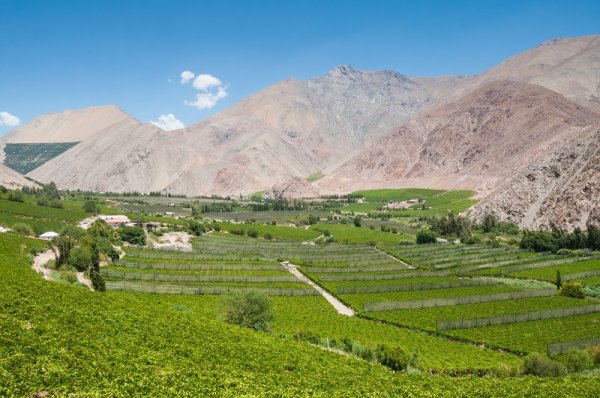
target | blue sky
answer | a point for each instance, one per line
(57, 55)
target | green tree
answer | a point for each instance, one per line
(133, 235)
(91, 206)
(80, 258)
(63, 246)
(558, 280)
(489, 222)
(251, 309)
(357, 221)
(392, 357)
(593, 237)
(425, 236)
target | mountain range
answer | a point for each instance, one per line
(524, 134)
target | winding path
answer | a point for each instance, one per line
(337, 304)
(39, 264)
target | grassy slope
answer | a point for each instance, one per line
(73, 342)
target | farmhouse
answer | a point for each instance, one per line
(115, 221)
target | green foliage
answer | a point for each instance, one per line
(357, 221)
(80, 258)
(73, 231)
(558, 280)
(250, 309)
(27, 157)
(556, 239)
(392, 357)
(16, 196)
(594, 353)
(91, 206)
(63, 245)
(426, 236)
(22, 229)
(452, 225)
(572, 289)
(133, 235)
(576, 360)
(542, 366)
(252, 233)
(489, 222)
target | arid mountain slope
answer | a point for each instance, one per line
(477, 141)
(569, 66)
(11, 179)
(560, 187)
(126, 156)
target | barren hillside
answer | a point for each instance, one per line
(480, 141)
(11, 179)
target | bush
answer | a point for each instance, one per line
(425, 236)
(594, 353)
(68, 276)
(22, 229)
(471, 240)
(357, 221)
(572, 289)
(541, 365)
(133, 235)
(91, 206)
(391, 357)
(252, 233)
(16, 195)
(251, 309)
(576, 360)
(268, 236)
(80, 258)
(304, 334)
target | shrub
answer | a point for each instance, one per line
(304, 334)
(252, 233)
(357, 221)
(540, 365)
(391, 357)
(594, 353)
(22, 229)
(80, 258)
(572, 289)
(347, 344)
(91, 206)
(251, 309)
(576, 360)
(268, 236)
(68, 276)
(471, 240)
(16, 195)
(426, 236)
(133, 235)
(508, 370)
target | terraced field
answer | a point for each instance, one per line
(63, 341)
(449, 287)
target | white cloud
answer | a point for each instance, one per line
(204, 82)
(187, 76)
(208, 99)
(6, 119)
(211, 89)
(168, 122)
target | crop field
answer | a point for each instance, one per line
(152, 271)
(445, 287)
(282, 217)
(73, 342)
(40, 218)
(346, 233)
(276, 231)
(440, 201)
(567, 269)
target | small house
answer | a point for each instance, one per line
(115, 221)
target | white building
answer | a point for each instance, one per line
(48, 235)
